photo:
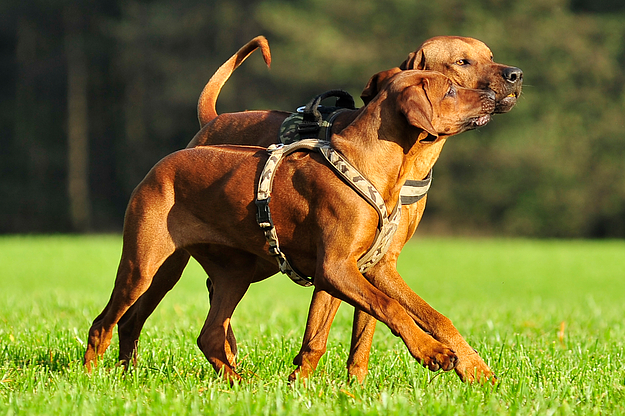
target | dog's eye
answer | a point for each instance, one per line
(451, 92)
(462, 62)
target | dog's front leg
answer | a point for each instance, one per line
(470, 366)
(342, 279)
(323, 308)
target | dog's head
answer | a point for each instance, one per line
(466, 61)
(432, 102)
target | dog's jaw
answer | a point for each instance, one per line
(480, 121)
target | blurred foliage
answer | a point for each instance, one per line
(552, 167)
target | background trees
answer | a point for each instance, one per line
(120, 81)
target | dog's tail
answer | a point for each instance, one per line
(206, 103)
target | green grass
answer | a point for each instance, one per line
(508, 297)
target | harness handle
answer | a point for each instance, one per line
(311, 113)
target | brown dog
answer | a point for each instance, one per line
(468, 61)
(174, 210)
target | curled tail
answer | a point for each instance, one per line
(206, 103)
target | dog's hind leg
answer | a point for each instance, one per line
(362, 339)
(130, 325)
(323, 308)
(213, 340)
(230, 338)
(231, 272)
(143, 254)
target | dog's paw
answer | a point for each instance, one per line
(224, 370)
(231, 376)
(357, 371)
(471, 368)
(301, 373)
(439, 357)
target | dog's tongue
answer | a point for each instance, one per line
(482, 121)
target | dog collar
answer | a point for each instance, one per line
(387, 224)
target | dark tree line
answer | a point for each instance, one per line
(94, 93)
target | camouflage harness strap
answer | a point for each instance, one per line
(412, 191)
(387, 225)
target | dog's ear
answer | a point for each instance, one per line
(415, 60)
(376, 84)
(416, 106)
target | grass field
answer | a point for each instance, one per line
(548, 316)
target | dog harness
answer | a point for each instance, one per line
(295, 128)
(309, 131)
(387, 224)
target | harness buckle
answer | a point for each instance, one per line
(276, 146)
(263, 214)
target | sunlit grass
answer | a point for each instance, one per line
(548, 316)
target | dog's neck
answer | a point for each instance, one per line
(387, 154)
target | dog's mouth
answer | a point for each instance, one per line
(505, 104)
(479, 121)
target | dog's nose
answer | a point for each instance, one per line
(512, 74)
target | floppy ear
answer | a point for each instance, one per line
(376, 84)
(415, 105)
(415, 60)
